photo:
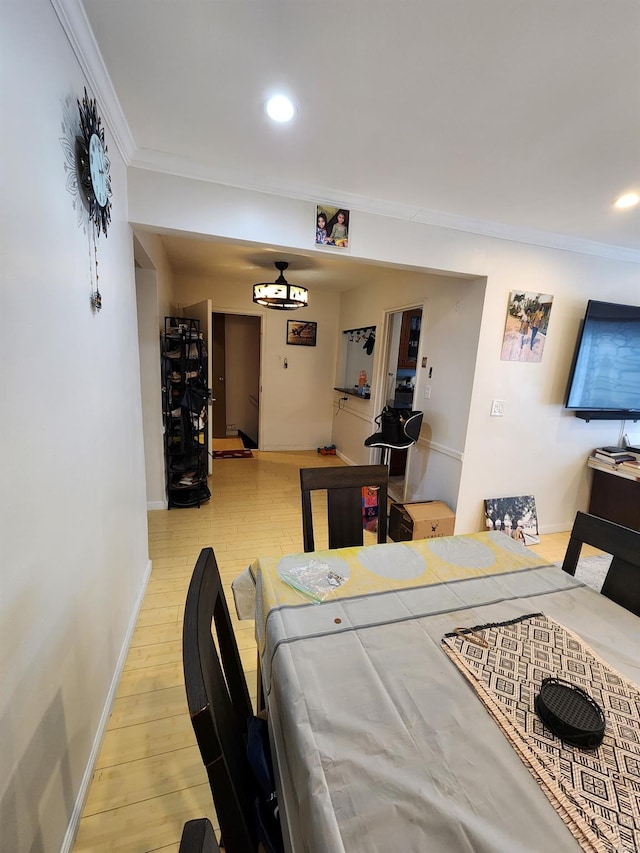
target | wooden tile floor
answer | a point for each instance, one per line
(149, 778)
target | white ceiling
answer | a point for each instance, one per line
(514, 117)
(243, 264)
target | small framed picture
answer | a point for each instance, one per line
(332, 226)
(525, 330)
(301, 334)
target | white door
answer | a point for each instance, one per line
(202, 311)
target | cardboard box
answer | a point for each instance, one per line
(420, 520)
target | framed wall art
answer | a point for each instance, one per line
(332, 226)
(301, 334)
(525, 329)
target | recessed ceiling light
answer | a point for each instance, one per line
(627, 200)
(280, 108)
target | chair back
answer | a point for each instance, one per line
(344, 502)
(622, 582)
(198, 837)
(398, 429)
(413, 425)
(219, 703)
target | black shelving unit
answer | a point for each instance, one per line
(184, 406)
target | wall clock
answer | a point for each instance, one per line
(93, 165)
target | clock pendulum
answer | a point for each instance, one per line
(96, 298)
(94, 179)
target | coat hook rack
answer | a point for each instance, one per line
(363, 331)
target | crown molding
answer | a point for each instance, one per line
(169, 164)
(74, 22)
(530, 236)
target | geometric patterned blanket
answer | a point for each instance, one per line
(597, 791)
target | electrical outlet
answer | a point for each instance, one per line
(497, 409)
(427, 392)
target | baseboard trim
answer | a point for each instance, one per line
(74, 822)
(441, 448)
(156, 505)
(555, 528)
(286, 448)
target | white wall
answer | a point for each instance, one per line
(72, 513)
(151, 387)
(155, 300)
(536, 448)
(150, 255)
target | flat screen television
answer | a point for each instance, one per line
(604, 382)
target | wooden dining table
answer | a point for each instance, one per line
(380, 740)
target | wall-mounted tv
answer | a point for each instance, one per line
(604, 383)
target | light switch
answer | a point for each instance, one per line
(497, 409)
(427, 392)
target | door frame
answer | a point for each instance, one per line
(380, 397)
(218, 323)
(217, 309)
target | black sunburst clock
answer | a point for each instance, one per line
(93, 164)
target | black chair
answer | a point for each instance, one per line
(198, 837)
(220, 709)
(344, 502)
(398, 430)
(622, 583)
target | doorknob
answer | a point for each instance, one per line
(220, 378)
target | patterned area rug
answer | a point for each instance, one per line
(595, 791)
(592, 570)
(232, 454)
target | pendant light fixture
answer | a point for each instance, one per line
(280, 294)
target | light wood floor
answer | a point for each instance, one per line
(149, 778)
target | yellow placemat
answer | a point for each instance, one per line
(395, 566)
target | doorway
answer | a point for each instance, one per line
(235, 365)
(403, 347)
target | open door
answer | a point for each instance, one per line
(219, 376)
(401, 360)
(202, 311)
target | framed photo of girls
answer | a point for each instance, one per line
(332, 226)
(525, 329)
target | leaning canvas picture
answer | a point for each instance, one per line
(332, 226)
(525, 331)
(516, 517)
